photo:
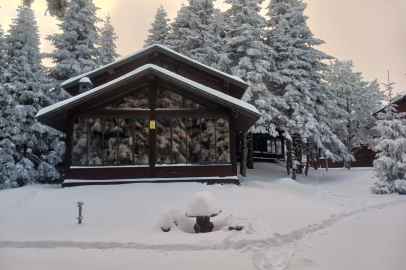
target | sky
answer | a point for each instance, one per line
(370, 32)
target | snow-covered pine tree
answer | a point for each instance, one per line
(107, 49)
(306, 104)
(159, 28)
(76, 51)
(361, 100)
(390, 165)
(195, 32)
(250, 58)
(2, 51)
(29, 151)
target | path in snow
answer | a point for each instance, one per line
(282, 219)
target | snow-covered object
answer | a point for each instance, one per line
(251, 58)
(358, 98)
(2, 51)
(203, 204)
(29, 151)
(199, 87)
(390, 165)
(143, 51)
(107, 49)
(305, 104)
(165, 222)
(159, 28)
(76, 46)
(86, 80)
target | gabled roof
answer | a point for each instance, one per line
(162, 49)
(397, 101)
(54, 113)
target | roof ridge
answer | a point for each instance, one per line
(162, 47)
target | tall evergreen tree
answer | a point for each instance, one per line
(361, 100)
(107, 49)
(76, 51)
(390, 165)
(195, 34)
(250, 58)
(29, 151)
(160, 28)
(2, 51)
(306, 104)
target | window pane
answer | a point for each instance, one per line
(193, 138)
(169, 99)
(270, 146)
(163, 141)
(208, 140)
(179, 140)
(141, 141)
(95, 141)
(135, 100)
(110, 142)
(79, 142)
(223, 140)
(278, 146)
(125, 147)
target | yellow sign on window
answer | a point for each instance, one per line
(152, 124)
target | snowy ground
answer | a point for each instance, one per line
(329, 220)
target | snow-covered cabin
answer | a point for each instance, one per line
(154, 115)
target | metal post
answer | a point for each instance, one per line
(80, 204)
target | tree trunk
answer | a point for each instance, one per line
(315, 157)
(307, 158)
(250, 161)
(288, 156)
(243, 164)
(298, 155)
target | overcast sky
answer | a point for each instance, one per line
(371, 32)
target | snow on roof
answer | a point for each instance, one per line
(85, 80)
(161, 47)
(203, 204)
(199, 87)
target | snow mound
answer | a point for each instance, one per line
(203, 204)
(165, 222)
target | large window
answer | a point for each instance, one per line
(110, 142)
(193, 140)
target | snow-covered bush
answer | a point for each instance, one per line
(390, 164)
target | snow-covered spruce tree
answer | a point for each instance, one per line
(195, 33)
(361, 100)
(390, 165)
(76, 51)
(159, 28)
(251, 59)
(306, 104)
(107, 49)
(2, 51)
(29, 151)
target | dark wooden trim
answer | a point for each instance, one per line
(152, 132)
(233, 144)
(68, 143)
(208, 181)
(134, 172)
(111, 112)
